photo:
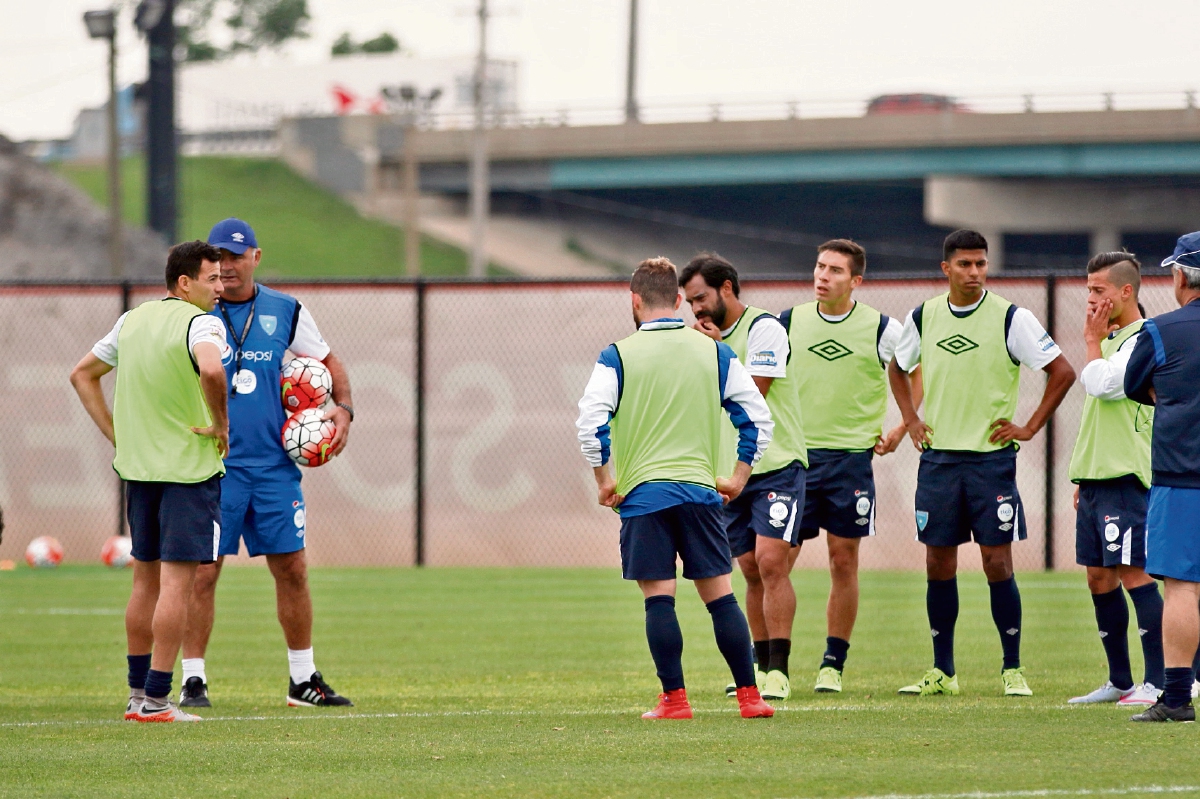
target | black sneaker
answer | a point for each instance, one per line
(316, 692)
(1160, 712)
(194, 693)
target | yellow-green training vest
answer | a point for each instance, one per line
(669, 419)
(842, 384)
(1114, 435)
(158, 399)
(969, 377)
(787, 443)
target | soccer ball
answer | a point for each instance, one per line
(306, 437)
(44, 552)
(305, 383)
(117, 552)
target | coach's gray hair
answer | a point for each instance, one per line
(1191, 276)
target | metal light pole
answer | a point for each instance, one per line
(480, 189)
(155, 18)
(103, 25)
(631, 103)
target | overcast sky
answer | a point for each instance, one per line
(572, 52)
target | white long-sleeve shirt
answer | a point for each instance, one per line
(1104, 378)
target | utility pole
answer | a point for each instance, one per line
(103, 25)
(631, 103)
(157, 19)
(480, 190)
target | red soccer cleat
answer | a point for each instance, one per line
(671, 705)
(752, 704)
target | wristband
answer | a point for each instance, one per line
(347, 409)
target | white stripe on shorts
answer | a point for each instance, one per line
(1127, 547)
(216, 539)
(1017, 523)
(791, 525)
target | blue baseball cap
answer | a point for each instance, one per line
(1187, 251)
(233, 235)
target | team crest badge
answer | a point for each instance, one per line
(922, 519)
(269, 323)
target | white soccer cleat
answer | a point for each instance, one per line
(1105, 693)
(1144, 694)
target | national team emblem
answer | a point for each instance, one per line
(957, 344)
(269, 323)
(922, 520)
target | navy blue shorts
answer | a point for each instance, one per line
(840, 496)
(968, 497)
(769, 506)
(1173, 533)
(1110, 525)
(175, 521)
(650, 542)
(266, 508)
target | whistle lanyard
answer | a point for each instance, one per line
(238, 341)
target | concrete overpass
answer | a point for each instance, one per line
(1003, 173)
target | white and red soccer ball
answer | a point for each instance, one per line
(44, 552)
(117, 552)
(304, 383)
(308, 438)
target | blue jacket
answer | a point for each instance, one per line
(1167, 359)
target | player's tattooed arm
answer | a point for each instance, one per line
(85, 378)
(341, 396)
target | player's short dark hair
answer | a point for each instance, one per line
(656, 282)
(851, 249)
(1123, 268)
(963, 240)
(186, 258)
(714, 269)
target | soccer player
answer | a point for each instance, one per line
(1164, 371)
(970, 345)
(1111, 467)
(840, 352)
(656, 403)
(761, 521)
(262, 502)
(170, 431)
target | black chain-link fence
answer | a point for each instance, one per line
(483, 379)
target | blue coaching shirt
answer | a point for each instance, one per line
(266, 326)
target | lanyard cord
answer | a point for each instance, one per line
(238, 340)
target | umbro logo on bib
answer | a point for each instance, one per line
(830, 350)
(957, 344)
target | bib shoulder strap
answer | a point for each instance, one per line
(1008, 320)
(884, 321)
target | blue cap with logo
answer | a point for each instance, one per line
(233, 235)
(1187, 251)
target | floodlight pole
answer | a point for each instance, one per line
(115, 249)
(161, 155)
(631, 104)
(480, 189)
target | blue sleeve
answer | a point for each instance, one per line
(747, 429)
(1147, 355)
(612, 359)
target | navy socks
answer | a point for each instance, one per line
(1148, 605)
(733, 638)
(1112, 619)
(139, 667)
(1178, 690)
(941, 604)
(158, 684)
(1006, 613)
(666, 641)
(835, 653)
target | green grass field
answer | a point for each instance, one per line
(304, 230)
(530, 683)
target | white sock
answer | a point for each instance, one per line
(300, 664)
(194, 667)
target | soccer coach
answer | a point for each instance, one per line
(656, 402)
(1164, 371)
(170, 430)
